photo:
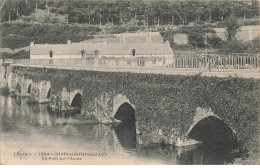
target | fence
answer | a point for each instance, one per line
(209, 62)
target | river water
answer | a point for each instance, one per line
(31, 134)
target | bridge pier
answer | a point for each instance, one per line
(12, 81)
(44, 89)
(26, 87)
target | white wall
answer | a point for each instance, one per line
(54, 56)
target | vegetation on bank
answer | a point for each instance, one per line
(4, 90)
(160, 99)
(203, 36)
(20, 35)
(19, 55)
(17, 35)
(49, 23)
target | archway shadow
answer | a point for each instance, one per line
(215, 133)
(77, 103)
(29, 90)
(126, 134)
(49, 94)
(125, 113)
(126, 131)
(218, 142)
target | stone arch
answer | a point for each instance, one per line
(77, 101)
(208, 127)
(118, 101)
(72, 94)
(122, 103)
(200, 114)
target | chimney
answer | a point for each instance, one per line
(167, 42)
(148, 40)
(32, 44)
(68, 42)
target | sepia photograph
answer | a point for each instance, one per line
(129, 82)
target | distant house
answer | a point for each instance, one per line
(81, 50)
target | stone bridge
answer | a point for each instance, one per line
(163, 107)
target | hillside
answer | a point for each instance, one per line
(55, 22)
(138, 12)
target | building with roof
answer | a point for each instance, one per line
(81, 50)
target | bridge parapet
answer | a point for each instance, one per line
(170, 63)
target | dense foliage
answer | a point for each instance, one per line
(21, 34)
(145, 12)
(238, 46)
(232, 27)
(4, 90)
(196, 34)
(19, 55)
(214, 41)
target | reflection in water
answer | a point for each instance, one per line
(32, 127)
(205, 155)
(126, 133)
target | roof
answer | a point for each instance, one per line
(103, 48)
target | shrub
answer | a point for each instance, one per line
(42, 16)
(15, 41)
(246, 22)
(116, 30)
(238, 46)
(195, 35)
(232, 27)
(19, 55)
(16, 35)
(4, 90)
(133, 28)
(93, 29)
(214, 41)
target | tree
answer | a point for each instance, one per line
(210, 7)
(197, 9)
(172, 11)
(242, 9)
(183, 9)
(148, 13)
(223, 9)
(232, 27)
(196, 35)
(159, 9)
(123, 10)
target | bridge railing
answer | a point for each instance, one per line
(210, 62)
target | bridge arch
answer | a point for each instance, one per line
(209, 128)
(200, 114)
(123, 110)
(29, 88)
(72, 95)
(77, 102)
